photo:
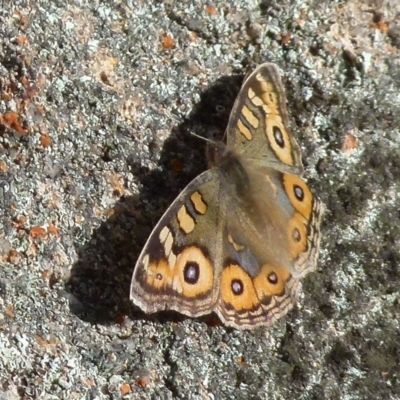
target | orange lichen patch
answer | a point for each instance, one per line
(44, 342)
(3, 166)
(167, 42)
(350, 143)
(11, 120)
(19, 223)
(102, 66)
(286, 38)
(111, 212)
(31, 92)
(332, 48)
(37, 231)
(211, 10)
(22, 40)
(378, 21)
(382, 26)
(9, 311)
(142, 382)
(40, 109)
(89, 382)
(12, 257)
(6, 96)
(24, 81)
(193, 36)
(104, 78)
(53, 230)
(45, 140)
(23, 19)
(241, 360)
(114, 180)
(79, 219)
(46, 274)
(125, 389)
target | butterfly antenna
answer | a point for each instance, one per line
(202, 137)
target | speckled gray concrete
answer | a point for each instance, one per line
(96, 102)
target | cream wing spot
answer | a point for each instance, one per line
(244, 130)
(268, 91)
(171, 260)
(164, 234)
(167, 239)
(198, 203)
(145, 263)
(250, 117)
(185, 220)
(257, 101)
(177, 285)
(236, 246)
(266, 109)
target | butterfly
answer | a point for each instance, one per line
(239, 239)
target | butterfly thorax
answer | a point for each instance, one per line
(230, 166)
(215, 153)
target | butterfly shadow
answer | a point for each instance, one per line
(99, 283)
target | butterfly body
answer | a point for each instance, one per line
(242, 235)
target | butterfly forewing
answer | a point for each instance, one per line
(176, 269)
(258, 125)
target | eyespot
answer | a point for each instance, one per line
(272, 278)
(279, 140)
(158, 276)
(271, 281)
(193, 273)
(297, 234)
(299, 194)
(237, 289)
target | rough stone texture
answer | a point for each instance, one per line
(97, 99)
